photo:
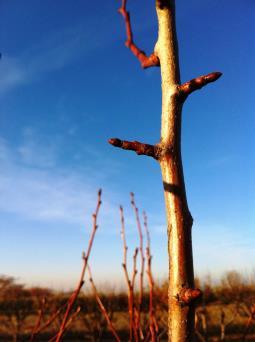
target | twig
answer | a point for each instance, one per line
(134, 267)
(249, 321)
(38, 322)
(153, 151)
(68, 323)
(101, 306)
(50, 320)
(142, 258)
(153, 322)
(197, 83)
(132, 327)
(85, 257)
(146, 61)
(73, 316)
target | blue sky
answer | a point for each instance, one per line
(68, 84)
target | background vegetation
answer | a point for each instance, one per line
(224, 314)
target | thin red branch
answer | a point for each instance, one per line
(101, 306)
(146, 61)
(38, 322)
(72, 317)
(197, 83)
(249, 321)
(125, 248)
(139, 228)
(51, 319)
(134, 267)
(68, 323)
(138, 147)
(136, 312)
(153, 321)
(75, 294)
(132, 327)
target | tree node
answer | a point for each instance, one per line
(189, 296)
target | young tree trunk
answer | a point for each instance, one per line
(167, 152)
(179, 220)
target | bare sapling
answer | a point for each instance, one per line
(39, 327)
(38, 321)
(130, 280)
(181, 292)
(68, 315)
(139, 330)
(153, 332)
(145, 329)
(142, 258)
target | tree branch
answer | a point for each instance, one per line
(50, 320)
(146, 61)
(85, 258)
(102, 307)
(153, 321)
(197, 83)
(38, 321)
(131, 305)
(68, 323)
(140, 148)
(140, 233)
(134, 267)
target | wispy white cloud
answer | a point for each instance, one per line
(219, 248)
(35, 151)
(50, 54)
(12, 74)
(220, 161)
(34, 188)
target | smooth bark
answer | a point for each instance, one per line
(179, 220)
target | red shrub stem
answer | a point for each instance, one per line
(153, 321)
(138, 147)
(75, 294)
(102, 308)
(139, 228)
(146, 61)
(38, 322)
(197, 83)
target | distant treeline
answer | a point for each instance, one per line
(226, 311)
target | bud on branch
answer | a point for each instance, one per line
(138, 147)
(188, 296)
(197, 83)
